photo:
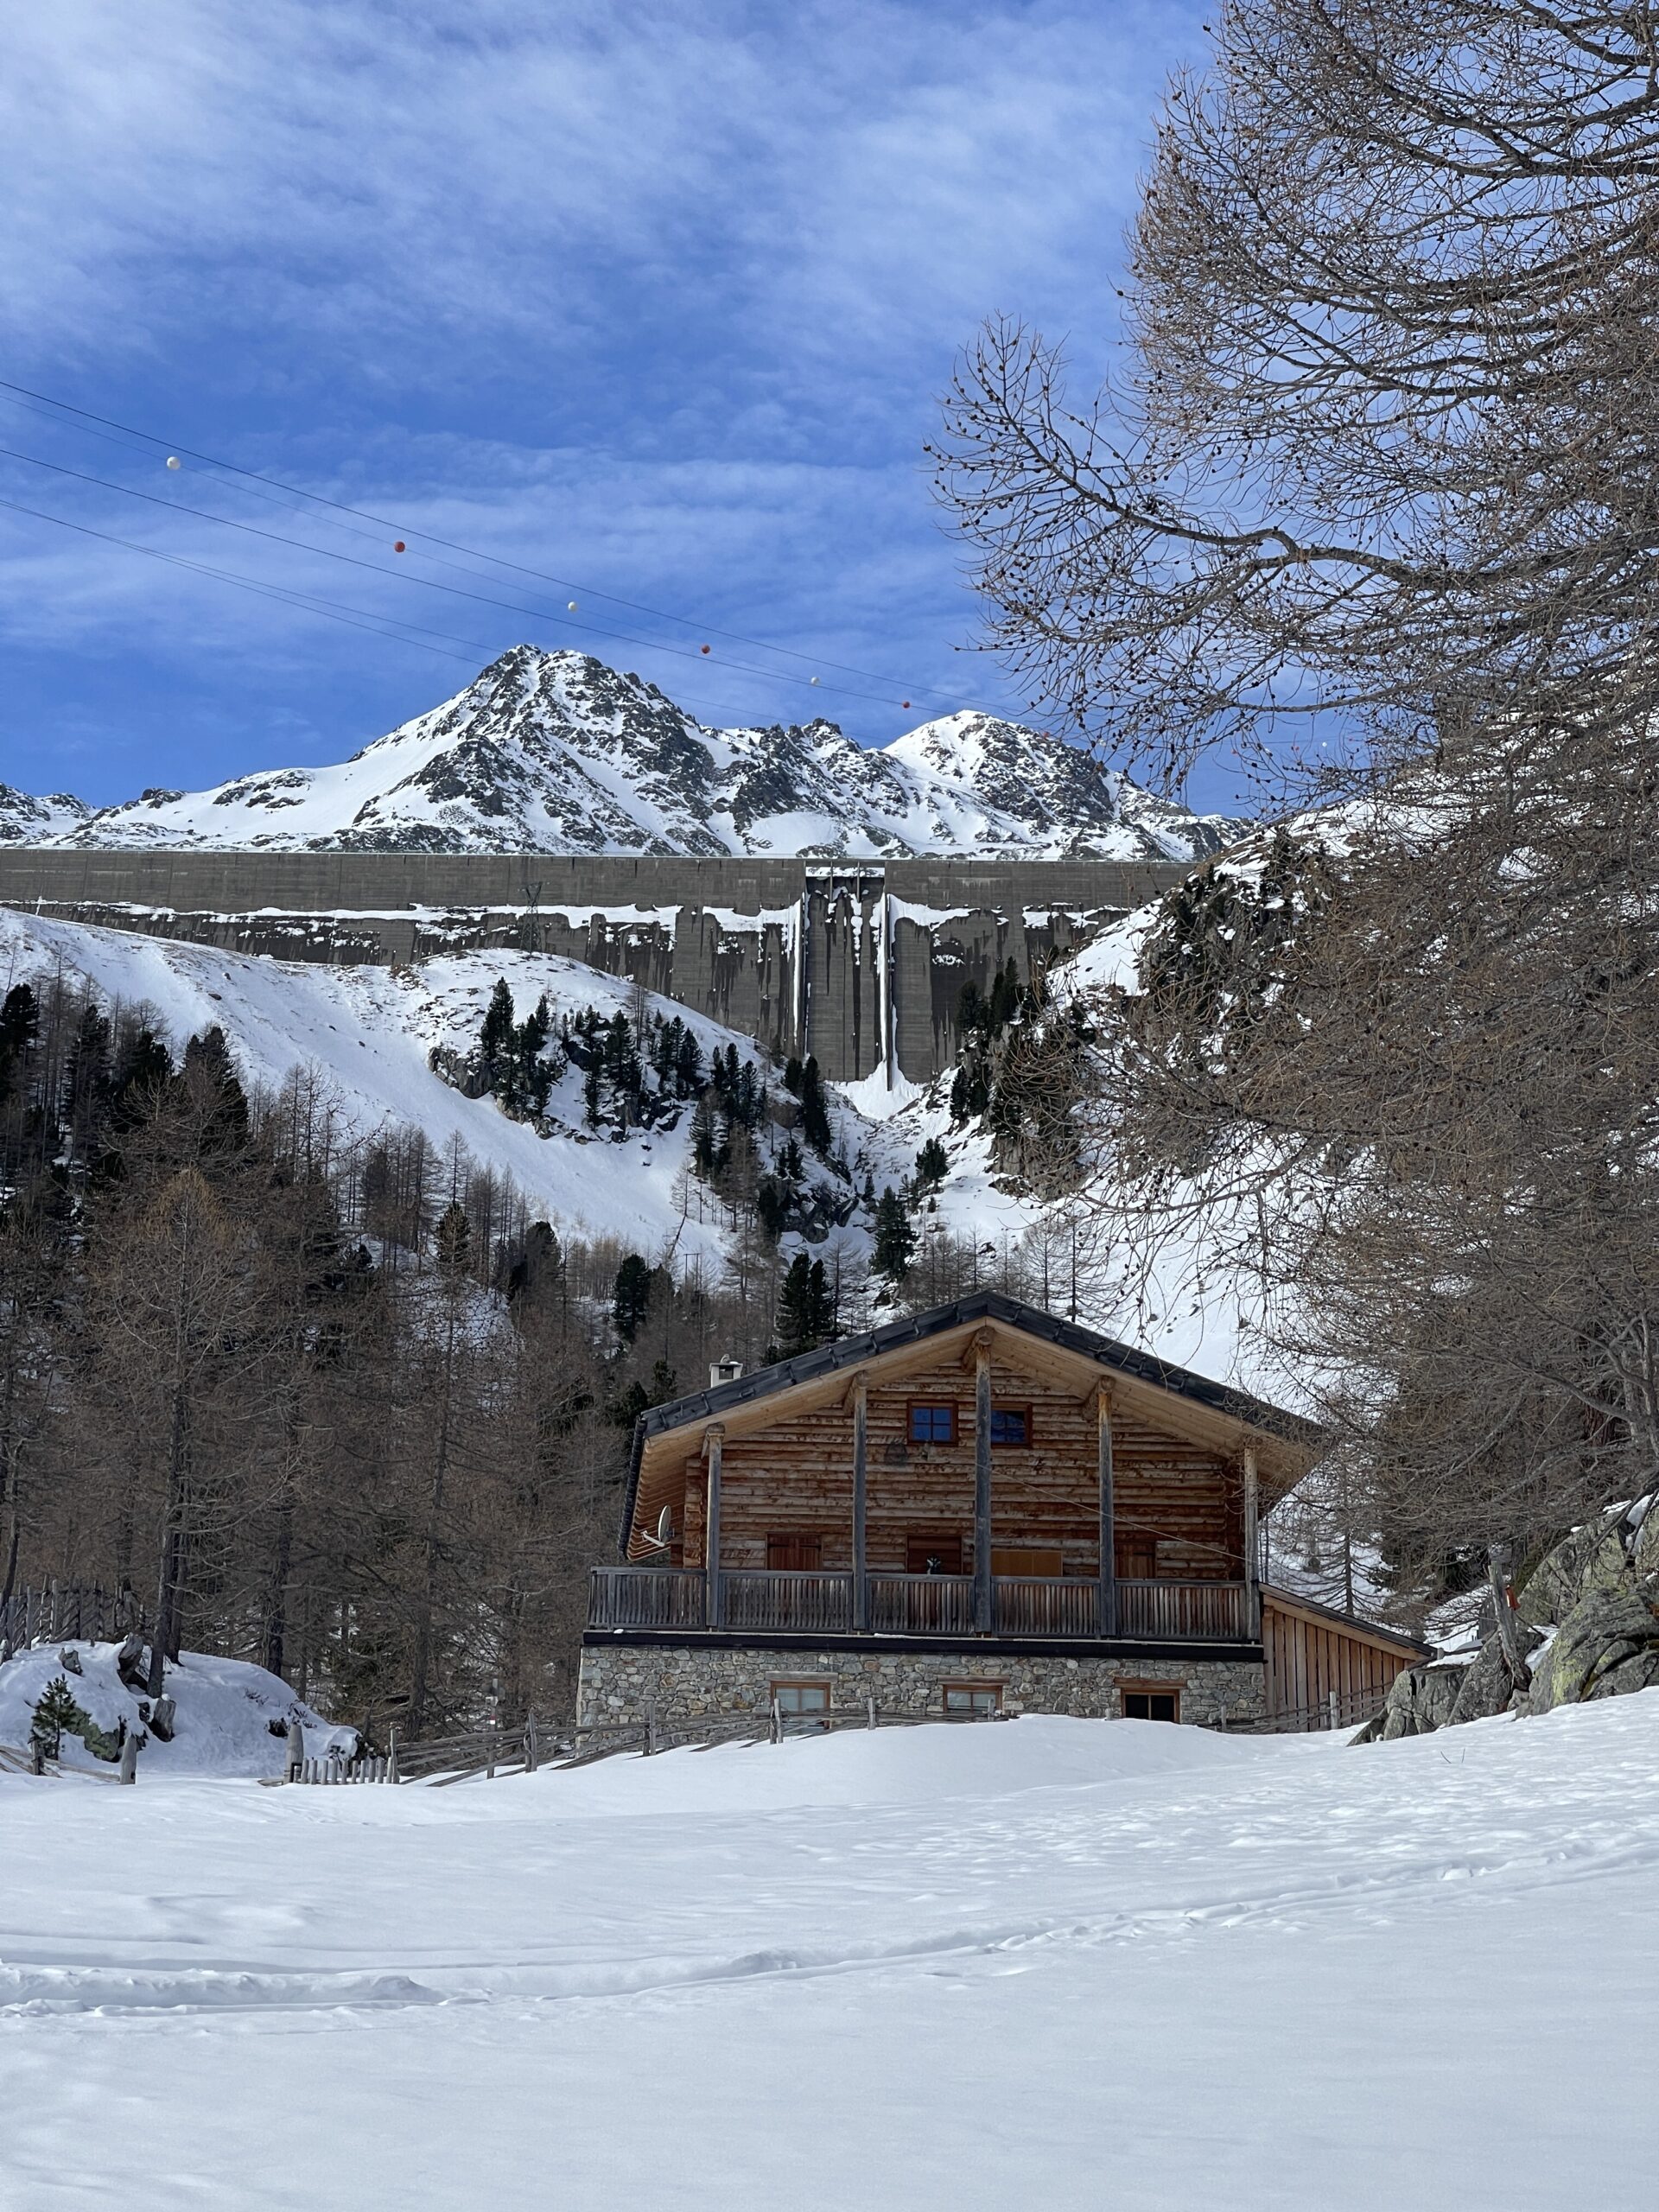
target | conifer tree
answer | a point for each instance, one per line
(495, 1038)
(806, 1313)
(814, 1114)
(631, 1298)
(56, 1715)
(895, 1240)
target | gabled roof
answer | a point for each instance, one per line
(980, 1306)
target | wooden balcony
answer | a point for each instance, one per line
(1022, 1606)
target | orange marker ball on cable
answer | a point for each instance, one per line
(397, 545)
(704, 649)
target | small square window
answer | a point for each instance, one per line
(973, 1697)
(1010, 1425)
(1151, 1704)
(801, 1697)
(932, 1424)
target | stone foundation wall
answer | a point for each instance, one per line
(621, 1682)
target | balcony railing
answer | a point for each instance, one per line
(1183, 1609)
(922, 1605)
(753, 1600)
(914, 1604)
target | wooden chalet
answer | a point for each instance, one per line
(983, 1506)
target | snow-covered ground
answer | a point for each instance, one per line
(1049, 1962)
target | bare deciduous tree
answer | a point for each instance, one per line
(1384, 454)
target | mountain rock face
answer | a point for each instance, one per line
(557, 752)
(26, 821)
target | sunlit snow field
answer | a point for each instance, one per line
(1050, 1963)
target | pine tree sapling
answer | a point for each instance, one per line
(56, 1715)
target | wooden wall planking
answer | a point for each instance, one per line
(795, 1478)
(1308, 1658)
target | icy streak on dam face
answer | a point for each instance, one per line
(861, 964)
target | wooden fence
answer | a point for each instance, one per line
(1337, 1709)
(68, 1613)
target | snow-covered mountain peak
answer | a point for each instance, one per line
(556, 752)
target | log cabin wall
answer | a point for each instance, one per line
(794, 1480)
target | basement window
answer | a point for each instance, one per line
(1152, 1702)
(973, 1697)
(801, 1697)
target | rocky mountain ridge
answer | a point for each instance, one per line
(557, 752)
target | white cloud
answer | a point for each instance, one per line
(657, 295)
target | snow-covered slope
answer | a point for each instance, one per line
(1063, 1963)
(368, 1033)
(556, 753)
(223, 1724)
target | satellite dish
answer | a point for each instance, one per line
(665, 1525)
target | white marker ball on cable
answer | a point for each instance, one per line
(812, 679)
(172, 462)
(570, 606)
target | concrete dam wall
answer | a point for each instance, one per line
(861, 964)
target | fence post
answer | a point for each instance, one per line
(1335, 1724)
(293, 1765)
(650, 1724)
(872, 1707)
(532, 1748)
(129, 1756)
(392, 1774)
(776, 1729)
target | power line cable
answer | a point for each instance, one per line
(391, 627)
(355, 618)
(429, 583)
(563, 583)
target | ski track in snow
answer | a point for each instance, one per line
(1423, 1960)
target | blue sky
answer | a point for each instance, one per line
(655, 298)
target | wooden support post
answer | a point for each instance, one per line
(714, 1613)
(984, 1591)
(1252, 1516)
(1107, 1515)
(861, 1451)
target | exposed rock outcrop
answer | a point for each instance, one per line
(1589, 1628)
(1608, 1644)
